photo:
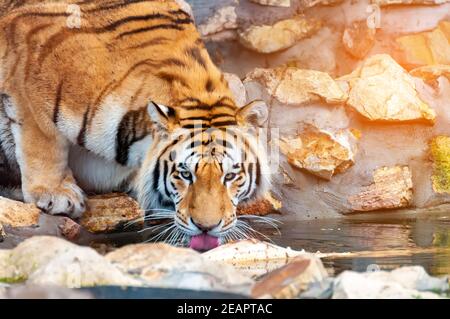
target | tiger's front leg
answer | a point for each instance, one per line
(47, 180)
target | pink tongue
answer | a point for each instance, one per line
(204, 242)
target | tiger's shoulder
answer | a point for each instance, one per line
(79, 68)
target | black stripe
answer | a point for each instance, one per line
(196, 54)
(180, 11)
(216, 116)
(169, 77)
(241, 184)
(209, 86)
(224, 143)
(258, 173)
(223, 123)
(165, 178)
(174, 142)
(172, 62)
(81, 139)
(203, 107)
(57, 103)
(156, 176)
(155, 16)
(128, 19)
(192, 126)
(194, 144)
(132, 128)
(182, 21)
(206, 107)
(158, 109)
(250, 185)
(168, 26)
(244, 170)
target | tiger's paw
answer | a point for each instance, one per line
(67, 198)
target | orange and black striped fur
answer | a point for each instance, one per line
(119, 102)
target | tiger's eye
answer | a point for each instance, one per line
(230, 176)
(186, 175)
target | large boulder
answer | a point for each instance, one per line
(292, 85)
(320, 152)
(392, 188)
(401, 283)
(110, 212)
(381, 90)
(18, 214)
(279, 36)
(163, 265)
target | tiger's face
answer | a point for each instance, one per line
(197, 177)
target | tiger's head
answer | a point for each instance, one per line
(198, 171)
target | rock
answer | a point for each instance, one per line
(237, 88)
(275, 3)
(279, 36)
(392, 188)
(413, 277)
(402, 283)
(292, 85)
(358, 39)
(440, 153)
(256, 258)
(312, 3)
(262, 207)
(107, 213)
(393, 2)
(289, 281)
(381, 90)
(431, 73)
(163, 265)
(2, 233)
(44, 292)
(224, 18)
(320, 152)
(70, 229)
(18, 214)
(54, 261)
(426, 48)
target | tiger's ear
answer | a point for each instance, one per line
(161, 115)
(253, 114)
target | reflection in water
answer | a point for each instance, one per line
(381, 239)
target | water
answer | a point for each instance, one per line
(374, 241)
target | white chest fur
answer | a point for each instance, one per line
(95, 174)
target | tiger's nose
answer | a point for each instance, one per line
(203, 227)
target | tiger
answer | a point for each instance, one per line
(126, 98)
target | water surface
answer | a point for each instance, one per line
(381, 240)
